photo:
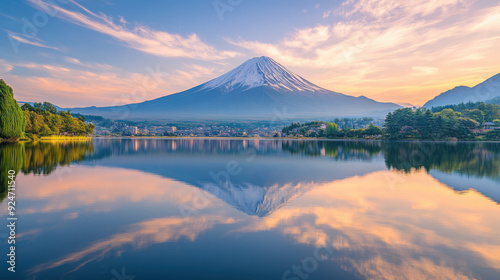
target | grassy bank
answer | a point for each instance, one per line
(64, 138)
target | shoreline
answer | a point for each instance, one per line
(82, 138)
(284, 138)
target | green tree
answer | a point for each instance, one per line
(90, 129)
(331, 129)
(397, 120)
(493, 134)
(45, 131)
(372, 130)
(12, 123)
(48, 107)
(475, 114)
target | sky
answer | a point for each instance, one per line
(77, 53)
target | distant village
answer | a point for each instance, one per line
(106, 127)
(194, 131)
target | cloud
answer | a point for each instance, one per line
(309, 37)
(5, 67)
(393, 8)
(88, 65)
(99, 84)
(141, 38)
(30, 40)
(379, 48)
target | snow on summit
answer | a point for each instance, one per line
(261, 71)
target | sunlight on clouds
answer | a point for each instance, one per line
(99, 84)
(308, 38)
(34, 41)
(387, 8)
(402, 51)
(5, 67)
(140, 37)
(88, 65)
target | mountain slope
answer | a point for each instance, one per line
(260, 88)
(484, 91)
(260, 71)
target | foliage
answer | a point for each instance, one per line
(352, 123)
(99, 120)
(372, 130)
(423, 124)
(479, 111)
(331, 129)
(12, 122)
(42, 119)
(493, 135)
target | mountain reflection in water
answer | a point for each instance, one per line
(388, 210)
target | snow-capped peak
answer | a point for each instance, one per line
(261, 71)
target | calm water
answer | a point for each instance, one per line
(253, 209)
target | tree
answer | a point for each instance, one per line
(395, 121)
(372, 130)
(331, 129)
(493, 134)
(475, 114)
(48, 107)
(89, 128)
(12, 121)
(45, 131)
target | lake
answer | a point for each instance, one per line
(253, 209)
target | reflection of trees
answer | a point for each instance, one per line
(44, 157)
(11, 158)
(39, 158)
(479, 159)
(340, 150)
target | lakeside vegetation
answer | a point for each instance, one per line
(43, 119)
(319, 129)
(37, 120)
(469, 121)
(12, 122)
(460, 122)
(466, 121)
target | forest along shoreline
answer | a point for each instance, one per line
(30, 122)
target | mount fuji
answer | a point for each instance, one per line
(260, 88)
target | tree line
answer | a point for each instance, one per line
(461, 122)
(43, 119)
(39, 119)
(332, 130)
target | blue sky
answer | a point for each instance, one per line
(81, 53)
